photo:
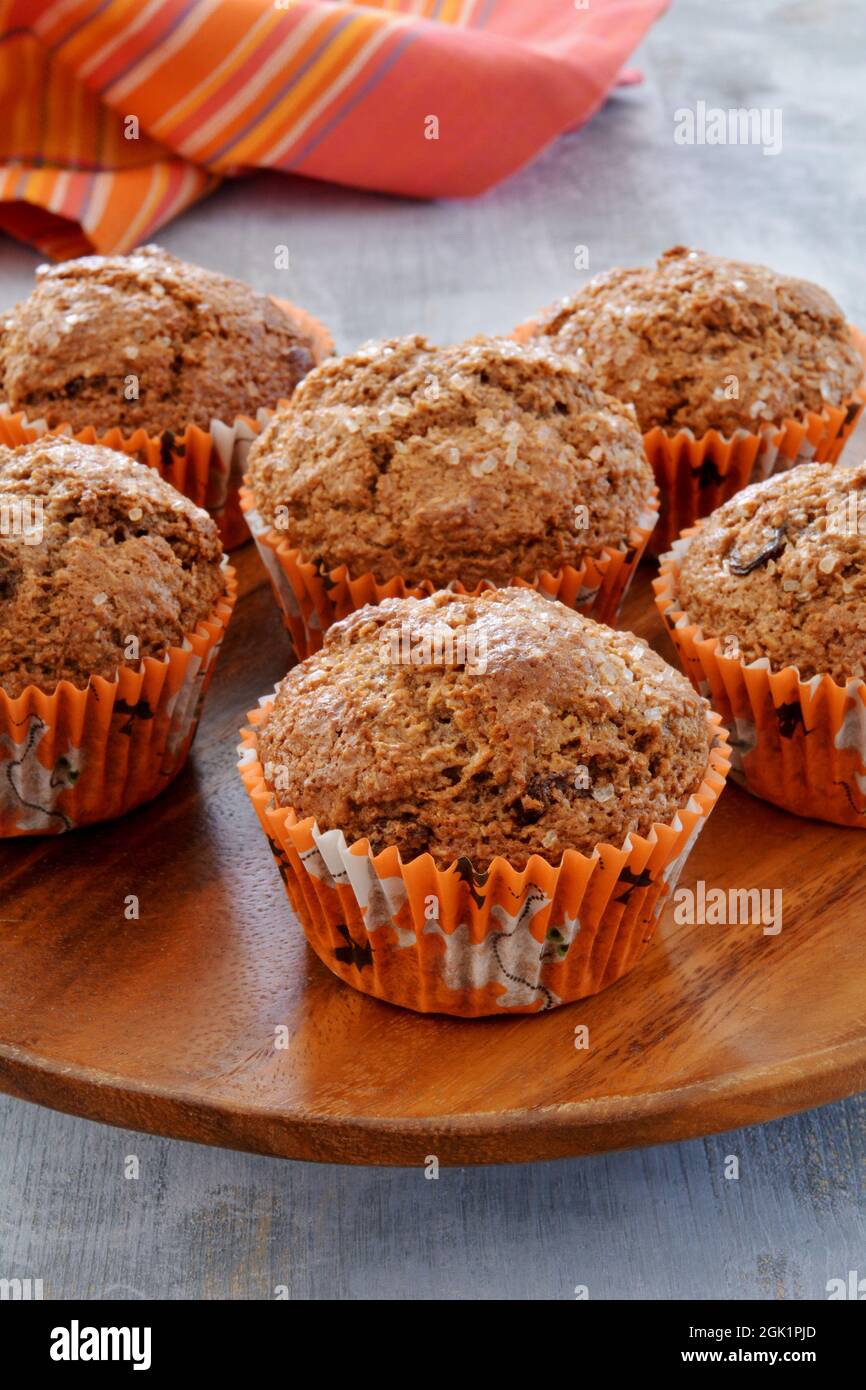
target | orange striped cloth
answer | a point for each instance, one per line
(117, 114)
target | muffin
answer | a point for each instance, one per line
(404, 467)
(718, 351)
(493, 794)
(148, 345)
(201, 345)
(113, 602)
(766, 603)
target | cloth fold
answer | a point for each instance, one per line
(118, 114)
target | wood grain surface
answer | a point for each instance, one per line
(167, 1022)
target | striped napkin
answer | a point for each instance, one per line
(120, 113)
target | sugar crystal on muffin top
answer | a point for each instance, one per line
(146, 340)
(700, 342)
(480, 461)
(529, 730)
(780, 571)
(102, 563)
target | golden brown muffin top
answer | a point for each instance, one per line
(199, 345)
(528, 728)
(95, 549)
(677, 339)
(781, 570)
(484, 460)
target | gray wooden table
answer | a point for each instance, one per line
(660, 1223)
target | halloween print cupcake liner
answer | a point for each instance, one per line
(696, 475)
(454, 941)
(798, 744)
(205, 465)
(77, 756)
(312, 600)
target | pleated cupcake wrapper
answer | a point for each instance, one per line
(77, 756)
(696, 475)
(798, 744)
(458, 942)
(311, 600)
(205, 465)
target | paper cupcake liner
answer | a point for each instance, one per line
(454, 941)
(205, 465)
(82, 755)
(798, 744)
(696, 475)
(311, 600)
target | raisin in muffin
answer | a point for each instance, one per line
(199, 346)
(699, 342)
(486, 460)
(96, 549)
(502, 724)
(781, 571)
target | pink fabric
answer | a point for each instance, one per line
(327, 88)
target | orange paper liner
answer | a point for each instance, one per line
(695, 476)
(82, 755)
(311, 601)
(798, 744)
(454, 941)
(205, 465)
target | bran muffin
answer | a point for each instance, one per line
(670, 338)
(527, 729)
(782, 568)
(201, 345)
(103, 550)
(483, 461)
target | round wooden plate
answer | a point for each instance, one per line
(167, 1022)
